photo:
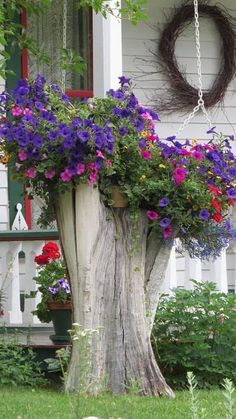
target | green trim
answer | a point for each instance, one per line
(15, 188)
(29, 235)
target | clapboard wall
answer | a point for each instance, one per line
(3, 187)
(139, 63)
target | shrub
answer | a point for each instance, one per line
(18, 365)
(196, 331)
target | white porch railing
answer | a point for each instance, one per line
(17, 268)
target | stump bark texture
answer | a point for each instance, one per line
(115, 282)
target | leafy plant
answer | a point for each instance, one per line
(61, 362)
(18, 365)
(196, 331)
(53, 285)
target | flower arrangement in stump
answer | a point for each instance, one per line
(53, 285)
(185, 188)
(72, 155)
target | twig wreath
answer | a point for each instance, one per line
(180, 94)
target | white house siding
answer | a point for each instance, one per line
(4, 215)
(139, 43)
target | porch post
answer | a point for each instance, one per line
(107, 52)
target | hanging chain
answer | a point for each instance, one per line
(200, 103)
(64, 42)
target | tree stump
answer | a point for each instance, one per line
(115, 291)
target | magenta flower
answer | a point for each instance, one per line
(16, 111)
(66, 175)
(31, 173)
(179, 175)
(146, 154)
(27, 112)
(152, 215)
(168, 231)
(22, 155)
(80, 168)
(49, 174)
(197, 155)
(100, 154)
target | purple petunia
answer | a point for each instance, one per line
(204, 214)
(119, 95)
(122, 131)
(231, 193)
(84, 136)
(165, 222)
(164, 202)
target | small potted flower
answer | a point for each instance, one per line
(55, 292)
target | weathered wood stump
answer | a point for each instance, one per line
(115, 290)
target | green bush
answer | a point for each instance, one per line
(18, 365)
(196, 331)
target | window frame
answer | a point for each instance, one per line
(71, 93)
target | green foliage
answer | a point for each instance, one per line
(14, 35)
(61, 362)
(228, 392)
(47, 277)
(18, 366)
(196, 331)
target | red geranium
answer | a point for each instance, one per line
(217, 217)
(216, 205)
(216, 191)
(42, 259)
(51, 250)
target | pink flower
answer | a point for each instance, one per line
(179, 175)
(49, 174)
(93, 178)
(167, 232)
(108, 163)
(16, 111)
(27, 111)
(197, 155)
(66, 175)
(146, 154)
(80, 168)
(146, 116)
(184, 152)
(31, 173)
(100, 154)
(153, 138)
(22, 155)
(152, 215)
(93, 172)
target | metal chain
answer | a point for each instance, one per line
(64, 41)
(200, 103)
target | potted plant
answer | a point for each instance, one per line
(72, 155)
(55, 304)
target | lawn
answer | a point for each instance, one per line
(42, 404)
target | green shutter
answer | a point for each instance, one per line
(15, 188)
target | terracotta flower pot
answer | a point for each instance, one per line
(119, 199)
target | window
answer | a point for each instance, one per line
(47, 31)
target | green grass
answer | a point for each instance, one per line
(45, 404)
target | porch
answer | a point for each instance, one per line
(17, 268)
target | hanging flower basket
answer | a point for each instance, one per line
(55, 145)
